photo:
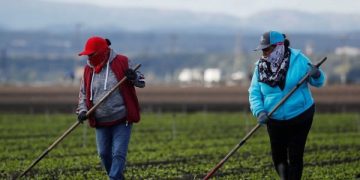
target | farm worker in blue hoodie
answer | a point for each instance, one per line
(276, 72)
(113, 118)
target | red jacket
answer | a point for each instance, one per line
(119, 65)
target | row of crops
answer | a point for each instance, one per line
(176, 146)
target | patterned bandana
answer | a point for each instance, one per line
(272, 70)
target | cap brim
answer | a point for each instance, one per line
(85, 53)
(261, 46)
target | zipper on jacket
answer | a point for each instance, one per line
(282, 107)
(304, 97)
(127, 123)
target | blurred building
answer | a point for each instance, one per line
(190, 76)
(212, 76)
(347, 50)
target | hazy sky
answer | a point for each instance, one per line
(234, 7)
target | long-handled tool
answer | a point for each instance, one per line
(67, 132)
(212, 172)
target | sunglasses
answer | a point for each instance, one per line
(266, 50)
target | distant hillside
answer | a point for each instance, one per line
(301, 22)
(59, 17)
(62, 16)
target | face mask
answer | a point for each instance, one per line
(99, 59)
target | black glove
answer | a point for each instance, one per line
(314, 71)
(82, 116)
(263, 118)
(130, 74)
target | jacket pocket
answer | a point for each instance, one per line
(295, 103)
(270, 102)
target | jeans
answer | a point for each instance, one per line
(288, 139)
(112, 145)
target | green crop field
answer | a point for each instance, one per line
(176, 146)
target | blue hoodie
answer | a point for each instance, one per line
(263, 97)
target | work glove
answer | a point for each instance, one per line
(314, 71)
(82, 117)
(263, 118)
(130, 74)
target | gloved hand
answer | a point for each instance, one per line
(82, 116)
(130, 74)
(263, 118)
(314, 71)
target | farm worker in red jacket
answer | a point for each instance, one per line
(114, 117)
(276, 73)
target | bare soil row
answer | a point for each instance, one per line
(168, 98)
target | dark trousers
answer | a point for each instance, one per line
(288, 140)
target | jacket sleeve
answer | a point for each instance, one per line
(82, 99)
(318, 82)
(140, 79)
(255, 96)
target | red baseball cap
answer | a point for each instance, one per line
(94, 44)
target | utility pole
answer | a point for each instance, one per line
(240, 65)
(3, 66)
(77, 46)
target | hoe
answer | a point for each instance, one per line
(67, 132)
(212, 172)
